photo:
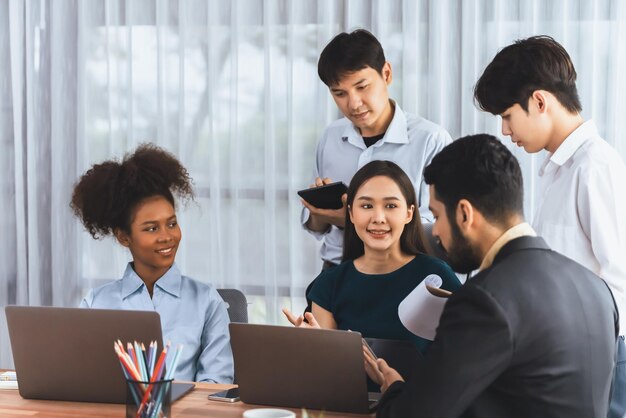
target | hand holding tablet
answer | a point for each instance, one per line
(327, 196)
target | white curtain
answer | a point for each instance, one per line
(231, 87)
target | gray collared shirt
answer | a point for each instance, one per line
(410, 141)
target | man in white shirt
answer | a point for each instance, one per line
(531, 84)
(354, 68)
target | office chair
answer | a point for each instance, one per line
(237, 304)
(400, 355)
(432, 243)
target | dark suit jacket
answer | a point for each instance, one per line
(532, 336)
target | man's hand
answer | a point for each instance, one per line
(380, 372)
(371, 368)
(321, 219)
(299, 321)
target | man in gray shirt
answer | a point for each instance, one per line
(354, 68)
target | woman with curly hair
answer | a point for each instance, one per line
(133, 200)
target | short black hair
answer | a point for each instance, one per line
(106, 195)
(482, 170)
(412, 237)
(350, 52)
(535, 63)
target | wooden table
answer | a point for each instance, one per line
(194, 404)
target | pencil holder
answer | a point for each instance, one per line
(148, 399)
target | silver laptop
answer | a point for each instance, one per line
(67, 353)
(300, 368)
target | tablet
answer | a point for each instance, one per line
(327, 196)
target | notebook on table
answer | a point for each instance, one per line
(67, 353)
(300, 368)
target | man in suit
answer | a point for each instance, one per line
(533, 334)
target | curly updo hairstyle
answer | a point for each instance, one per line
(107, 194)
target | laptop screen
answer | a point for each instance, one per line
(67, 353)
(300, 368)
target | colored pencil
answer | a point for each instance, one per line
(141, 365)
(129, 360)
(169, 375)
(155, 348)
(133, 355)
(150, 364)
(137, 351)
(127, 375)
(155, 376)
(131, 370)
(174, 363)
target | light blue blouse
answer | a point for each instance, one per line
(192, 314)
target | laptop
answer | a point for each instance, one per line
(66, 354)
(300, 368)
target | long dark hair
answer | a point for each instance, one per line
(412, 237)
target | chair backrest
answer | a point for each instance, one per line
(403, 356)
(435, 249)
(433, 243)
(237, 304)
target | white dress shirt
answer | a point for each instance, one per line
(410, 141)
(582, 211)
